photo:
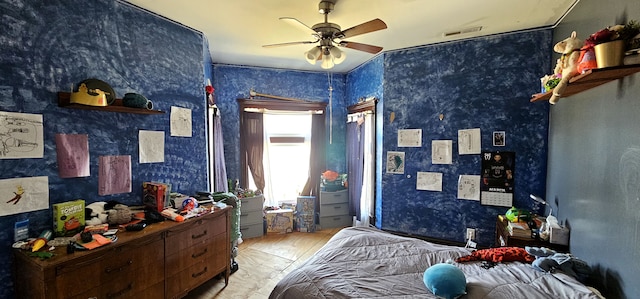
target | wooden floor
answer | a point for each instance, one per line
(262, 263)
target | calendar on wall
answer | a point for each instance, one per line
(498, 171)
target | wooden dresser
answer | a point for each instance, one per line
(334, 209)
(503, 238)
(165, 260)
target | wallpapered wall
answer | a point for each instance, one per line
(483, 83)
(47, 46)
(234, 82)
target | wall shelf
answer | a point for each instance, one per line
(64, 100)
(591, 79)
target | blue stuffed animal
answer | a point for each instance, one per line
(548, 260)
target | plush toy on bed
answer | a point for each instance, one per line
(568, 63)
(548, 260)
(445, 280)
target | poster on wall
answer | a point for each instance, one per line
(429, 181)
(441, 151)
(21, 136)
(181, 122)
(410, 138)
(469, 187)
(469, 141)
(151, 146)
(72, 152)
(498, 171)
(114, 175)
(395, 162)
(24, 195)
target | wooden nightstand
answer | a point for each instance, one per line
(504, 239)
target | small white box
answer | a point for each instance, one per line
(559, 235)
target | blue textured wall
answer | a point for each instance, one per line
(368, 81)
(235, 82)
(47, 46)
(483, 83)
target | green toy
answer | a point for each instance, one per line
(514, 215)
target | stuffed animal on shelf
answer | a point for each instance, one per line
(567, 66)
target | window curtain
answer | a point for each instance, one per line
(317, 162)
(355, 164)
(252, 137)
(368, 172)
(220, 169)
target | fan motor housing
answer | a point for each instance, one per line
(327, 30)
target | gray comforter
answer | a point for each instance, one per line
(363, 262)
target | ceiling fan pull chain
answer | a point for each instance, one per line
(329, 77)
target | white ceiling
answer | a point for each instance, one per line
(237, 29)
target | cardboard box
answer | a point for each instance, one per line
(559, 235)
(280, 221)
(68, 218)
(154, 195)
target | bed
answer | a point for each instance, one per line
(361, 262)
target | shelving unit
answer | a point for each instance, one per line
(64, 100)
(591, 79)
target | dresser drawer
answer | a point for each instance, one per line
(125, 289)
(341, 196)
(251, 203)
(334, 209)
(182, 282)
(250, 217)
(191, 234)
(252, 230)
(200, 254)
(335, 221)
(127, 268)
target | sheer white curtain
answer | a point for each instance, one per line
(368, 175)
(286, 165)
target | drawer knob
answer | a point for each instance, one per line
(199, 236)
(194, 275)
(120, 292)
(118, 269)
(195, 255)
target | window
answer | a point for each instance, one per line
(286, 156)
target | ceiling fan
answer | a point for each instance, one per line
(330, 36)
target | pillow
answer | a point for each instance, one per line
(445, 280)
(500, 254)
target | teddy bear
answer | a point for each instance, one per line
(95, 213)
(567, 66)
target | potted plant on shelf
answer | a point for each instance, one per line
(609, 44)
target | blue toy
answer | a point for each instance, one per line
(445, 280)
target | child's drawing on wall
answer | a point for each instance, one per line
(21, 136)
(24, 195)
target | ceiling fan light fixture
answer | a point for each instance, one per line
(338, 55)
(327, 61)
(312, 55)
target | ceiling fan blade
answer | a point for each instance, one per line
(288, 44)
(361, 47)
(296, 23)
(373, 25)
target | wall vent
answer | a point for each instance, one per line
(462, 31)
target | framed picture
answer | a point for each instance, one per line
(498, 138)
